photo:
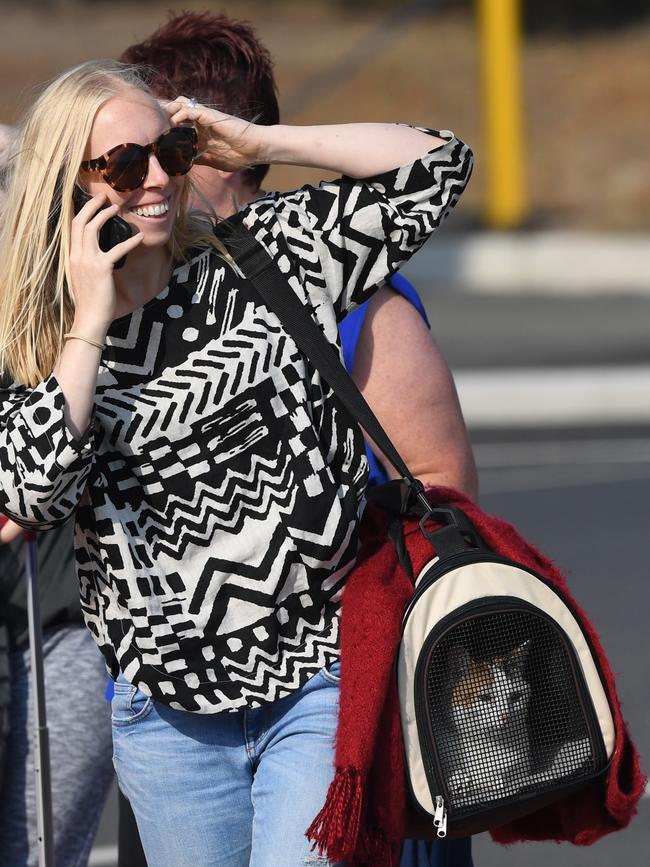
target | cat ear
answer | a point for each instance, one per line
(515, 661)
(459, 661)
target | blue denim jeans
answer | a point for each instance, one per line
(231, 789)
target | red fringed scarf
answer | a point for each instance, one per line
(363, 820)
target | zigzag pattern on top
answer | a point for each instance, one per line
(218, 490)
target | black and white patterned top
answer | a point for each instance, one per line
(219, 486)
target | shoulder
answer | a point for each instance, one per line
(394, 317)
(397, 307)
(406, 290)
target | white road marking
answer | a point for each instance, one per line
(584, 264)
(549, 397)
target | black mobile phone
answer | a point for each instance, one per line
(111, 233)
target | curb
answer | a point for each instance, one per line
(548, 263)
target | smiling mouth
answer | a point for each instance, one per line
(160, 209)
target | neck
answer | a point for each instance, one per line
(144, 275)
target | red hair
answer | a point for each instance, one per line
(217, 60)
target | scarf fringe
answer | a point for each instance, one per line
(340, 828)
(335, 829)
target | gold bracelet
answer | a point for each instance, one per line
(85, 340)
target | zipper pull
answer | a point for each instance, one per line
(442, 827)
(439, 811)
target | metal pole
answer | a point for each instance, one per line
(41, 735)
(500, 36)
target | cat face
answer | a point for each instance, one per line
(489, 697)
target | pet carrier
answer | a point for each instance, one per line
(503, 706)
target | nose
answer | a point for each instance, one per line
(156, 175)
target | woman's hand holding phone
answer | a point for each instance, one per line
(91, 267)
(93, 286)
(112, 233)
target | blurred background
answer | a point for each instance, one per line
(538, 289)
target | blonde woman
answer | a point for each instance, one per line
(216, 482)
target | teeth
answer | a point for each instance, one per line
(152, 210)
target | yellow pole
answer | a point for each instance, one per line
(500, 34)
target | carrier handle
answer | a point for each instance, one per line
(458, 534)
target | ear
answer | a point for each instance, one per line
(226, 176)
(515, 661)
(238, 182)
(458, 661)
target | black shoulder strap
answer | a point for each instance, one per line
(265, 275)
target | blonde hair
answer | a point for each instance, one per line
(36, 304)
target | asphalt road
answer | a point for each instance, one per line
(486, 331)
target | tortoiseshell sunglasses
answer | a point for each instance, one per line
(125, 166)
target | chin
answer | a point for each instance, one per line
(154, 236)
(152, 240)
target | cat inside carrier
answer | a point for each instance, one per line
(503, 707)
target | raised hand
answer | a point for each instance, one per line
(225, 142)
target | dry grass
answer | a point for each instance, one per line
(586, 100)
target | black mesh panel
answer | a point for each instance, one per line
(505, 708)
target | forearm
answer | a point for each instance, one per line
(355, 149)
(76, 372)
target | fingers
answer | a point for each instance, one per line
(182, 115)
(90, 232)
(90, 208)
(119, 250)
(101, 217)
(86, 213)
(181, 102)
(183, 109)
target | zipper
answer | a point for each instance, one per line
(440, 817)
(439, 809)
(432, 765)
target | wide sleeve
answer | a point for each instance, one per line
(43, 468)
(348, 236)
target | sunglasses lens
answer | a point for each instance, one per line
(176, 150)
(127, 168)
